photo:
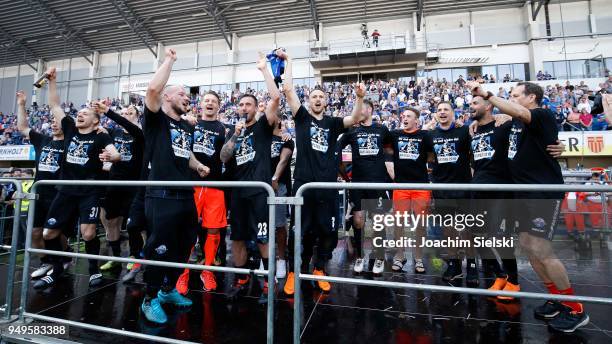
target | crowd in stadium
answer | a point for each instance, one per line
(577, 107)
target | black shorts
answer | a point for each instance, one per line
(66, 209)
(249, 217)
(136, 215)
(42, 209)
(539, 217)
(320, 214)
(495, 216)
(173, 226)
(374, 198)
(117, 201)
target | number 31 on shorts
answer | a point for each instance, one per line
(94, 213)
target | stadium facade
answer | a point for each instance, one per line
(576, 44)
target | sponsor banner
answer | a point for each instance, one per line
(21, 152)
(577, 143)
(134, 86)
(588, 143)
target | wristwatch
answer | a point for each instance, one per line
(274, 178)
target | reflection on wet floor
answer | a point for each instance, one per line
(348, 314)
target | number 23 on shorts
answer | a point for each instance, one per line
(262, 231)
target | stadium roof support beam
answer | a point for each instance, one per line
(419, 13)
(314, 17)
(14, 42)
(536, 10)
(216, 13)
(136, 24)
(70, 36)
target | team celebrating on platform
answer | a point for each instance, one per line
(167, 144)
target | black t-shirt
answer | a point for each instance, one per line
(452, 163)
(229, 168)
(528, 159)
(489, 152)
(49, 159)
(252, 154)
(368, 153)
(410, 155)
(208, 139)
(169, 144)
(277, 147)
(81, 157)
(315, 144)
(131, 147)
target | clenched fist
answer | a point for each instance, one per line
(21, 98)
(360, 90)
(171, 54)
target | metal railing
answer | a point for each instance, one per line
(18, 196)
(297, 259)
(271, 201)
(187, 184)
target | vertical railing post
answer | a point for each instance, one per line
(26, 254)
(606, 219)
(13, 256)
(271, 265)
(297, 269)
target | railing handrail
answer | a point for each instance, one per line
(170, 184)
(297, 259)
(455, 187)
(271, 272)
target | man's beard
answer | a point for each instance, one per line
(178, 109)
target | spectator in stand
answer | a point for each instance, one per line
(573, 120)
(460, 81)
(375, 36)
(547, 76)
(599, 122)
(584, 104)
(561, 118)
(459, 102)
(586, 120)
(507, 78)
(540, 75)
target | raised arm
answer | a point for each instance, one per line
(153, 98)
(506, 107)
(54, 106)
(22, 118)
(356, 115)
(292, 97)
(274, 103)
(53, 96)
(130, 127)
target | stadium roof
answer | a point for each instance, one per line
(32, 29)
